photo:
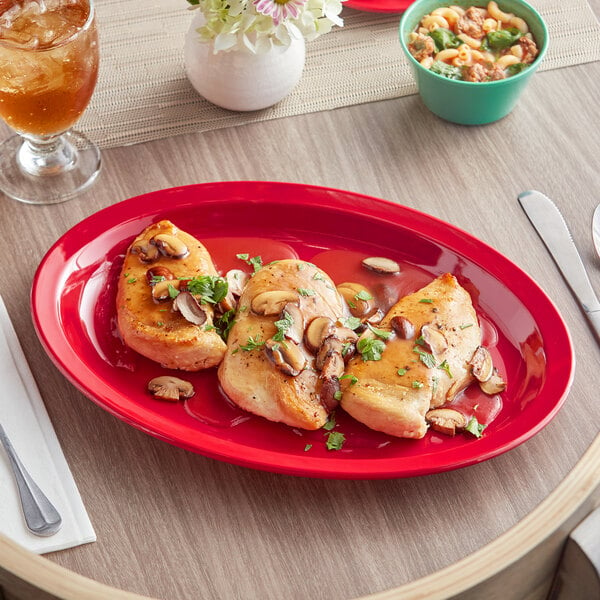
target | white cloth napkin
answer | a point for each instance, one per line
(26, 422)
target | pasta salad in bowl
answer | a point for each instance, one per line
(472, 61)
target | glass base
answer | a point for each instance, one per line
(69, 168)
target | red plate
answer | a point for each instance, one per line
(73, 307)
(391, 6)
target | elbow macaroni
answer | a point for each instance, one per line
(475, 43)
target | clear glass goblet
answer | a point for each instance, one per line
(48, 70)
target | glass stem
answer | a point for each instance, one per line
(49, 155)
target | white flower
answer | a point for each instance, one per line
(257, 25)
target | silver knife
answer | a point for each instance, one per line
(551, 227)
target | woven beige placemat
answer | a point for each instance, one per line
(143, 93)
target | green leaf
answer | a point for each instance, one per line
(282, 326)
(224, 323)
(474, 427)
(446, 70)
(382, 333)
(363, 295)
(402, 372)
(503, 38)
(335, 440)
(308, 446)
(445, 367)
(352, 323)
(210, 288)
(516, 68)
(444, 38)
(353, 379)
(305, 292)
(330, 424)
(252, 344)
(417, 384)
(370, 348)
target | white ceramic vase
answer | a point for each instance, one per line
(238, 79)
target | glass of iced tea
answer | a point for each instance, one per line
(48, 70)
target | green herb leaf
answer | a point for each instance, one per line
(353, 379)
(370, 348)
(255, 262)
(445, 367)
(446, 70)
(417, 384)
(224, 323)
(282, 326)
(352, 323)
(466, 326)
(305, 292)
(363, 295)
(210, 288)
(503, 38)
(516, 68)
(252, 344)
(474, 427)
(382, 333)
(444, 38)
(338, 395)
(330, 424)
(245, 256)
(426, 301)
(402, 372)
(308, 446)
(335, 440)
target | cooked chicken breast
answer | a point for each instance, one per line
(163, 255)
(435, 332)
(268, 369)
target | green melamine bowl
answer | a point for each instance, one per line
(466, 102)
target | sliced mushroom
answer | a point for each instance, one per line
(403, 327)
(434, 340)
(482, 364)
(376, 317)
(236, 281)
(146, 251)
(228, 303)
(296, 329)
(170, 245)
(156, 274)
(359, 299)
(271, 302)
(494, 385)
(316, 331)
(286, 356)
(171, 388)
(190, 308)
(329, 359)
(446, 420)
(381, 265)
(329, 392)
(163, 290)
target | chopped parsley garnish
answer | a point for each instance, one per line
(426, 301)
(210, 288)
(282, 326)
(255, 262)
(352, 323)
(338, 395)
(156, 279)
(426, 358)
(382, 333)
(353, 379)
(466, 326)
(363, 295)
(346, 348)
(318, 276)
(402, 372)
(132, 280)
(335, 440)
(224, 323)
(417, 385)
(370, 348)
(307, 447)
(305, 292)
(474, 427)
(330, 424)
(252, 344)
(445, 367)
(173, 291)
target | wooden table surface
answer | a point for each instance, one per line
(176, 525)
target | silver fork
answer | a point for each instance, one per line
(41, 516)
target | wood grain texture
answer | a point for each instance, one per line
(175, 525)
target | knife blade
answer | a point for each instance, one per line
(552, 228)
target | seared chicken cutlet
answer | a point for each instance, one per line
(284, 350)
(152, 319)
(424, 364)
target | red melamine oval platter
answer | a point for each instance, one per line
(391, 6)
(73, 308)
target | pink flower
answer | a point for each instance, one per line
(279, 10)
